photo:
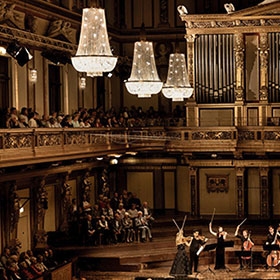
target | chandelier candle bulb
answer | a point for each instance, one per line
(177, 86)
(144, 80)
(94, 54)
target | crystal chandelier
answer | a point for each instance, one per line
(94, 55)
(177, 85)
(144, 80)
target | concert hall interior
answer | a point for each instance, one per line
(139, 139)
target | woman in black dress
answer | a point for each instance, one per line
(180, 266)
(220, 249)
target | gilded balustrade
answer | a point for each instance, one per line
(22, 146)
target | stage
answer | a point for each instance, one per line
(140, 261)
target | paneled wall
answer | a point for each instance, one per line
(253, 191)
(276, 191)
(183, 189)
(24, 94)
(141, 183)
(224, 202)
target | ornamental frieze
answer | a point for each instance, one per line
(232, 23)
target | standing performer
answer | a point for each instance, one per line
(180, 266)
(220, 249)
(246, 246)
(196, 241)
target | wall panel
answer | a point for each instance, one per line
(141, 183)
(276, 191)
(224, 202)
(183, 189)
(253, 191)
(169, 190)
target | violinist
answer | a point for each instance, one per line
(246, 245)
(220, 249)
(180, 266)
(196, 242)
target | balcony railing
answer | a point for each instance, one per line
(23, 146)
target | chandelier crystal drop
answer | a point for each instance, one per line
(177, 86)
(94, 54)
(144, 80)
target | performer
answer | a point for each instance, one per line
(196, 241)
(272, 257)
(270, 240)
(180, 266)
(220, 249)
(246, 245)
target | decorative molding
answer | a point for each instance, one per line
(61, 30)
(35, 41)
(217, 183)
(264, 192)
(239, 171)
(239, 51)
(264, 53)
(193, 186)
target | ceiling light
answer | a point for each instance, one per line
(94, 53)
(144, 80)
(99, 158)
(177, 86)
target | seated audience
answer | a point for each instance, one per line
(117, 229)
(141, 224)
(128, 227)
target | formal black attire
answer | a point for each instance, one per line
(220, 253)
(180, 266)
(243, 239)
(194, 247)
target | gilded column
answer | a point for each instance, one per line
(41, 205)
(190, 50)
(193, 185)
(240, 191)
(191, 119)
(264, 192)
(264, 52)
(239, 51)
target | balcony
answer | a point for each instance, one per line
(29, 146)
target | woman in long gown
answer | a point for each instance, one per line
(220, 249)
(180, 266)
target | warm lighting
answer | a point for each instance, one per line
(99, 158)
(94, 74)
(94, 54)
(177, 86)
(33, 75)
(114, 161)
(115, 155)
(2, 51)
(21, 210)
(83, 83)
(144, 80)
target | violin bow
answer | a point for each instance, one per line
(214, 211)
(242, 222)
(184, 222)
(176, 224)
